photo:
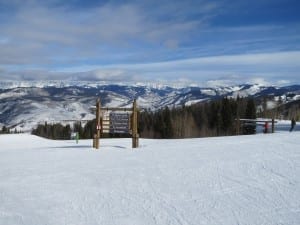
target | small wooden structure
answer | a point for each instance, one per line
(243, 122)
(119, 120)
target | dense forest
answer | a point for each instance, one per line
(216, 118)
(6, 130)
(53, 131)
(63, 132)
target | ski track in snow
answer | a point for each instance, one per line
(226, 180)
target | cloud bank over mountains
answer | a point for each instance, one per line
(195, 41)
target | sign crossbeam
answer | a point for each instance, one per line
(117, 109)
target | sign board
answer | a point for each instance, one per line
(119, 122)
(125, 123)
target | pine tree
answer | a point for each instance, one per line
(167, 131)
(227, 116)
(250, 128)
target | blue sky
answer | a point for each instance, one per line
(199, 42)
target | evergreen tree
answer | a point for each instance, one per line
(167, 130)
(4, 129)
(227, 116)
(250, 127)
(89, 129)
(77, 127)
(250, 109)
(54, 131)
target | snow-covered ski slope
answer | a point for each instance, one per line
(214, 181)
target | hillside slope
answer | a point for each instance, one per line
(25, 107)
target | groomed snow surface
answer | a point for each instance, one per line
(215, 181)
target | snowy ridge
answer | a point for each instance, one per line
(25, 107)
(227, 180)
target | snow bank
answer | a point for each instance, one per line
(228, 180)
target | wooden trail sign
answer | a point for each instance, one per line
(118, 121)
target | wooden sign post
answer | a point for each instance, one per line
(98, 124)
(117, 122)
(135, 135)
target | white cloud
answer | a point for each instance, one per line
(75, 32)
(264, 68)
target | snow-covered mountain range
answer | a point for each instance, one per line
(25, 104)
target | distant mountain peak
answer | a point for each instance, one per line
(24, 104)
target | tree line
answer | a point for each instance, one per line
(6, 130)
(215, 118)
(63, 132)
(58, 131)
